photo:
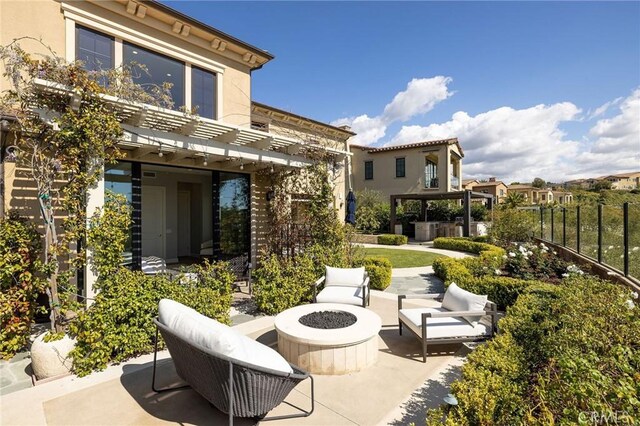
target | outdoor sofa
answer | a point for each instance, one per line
(461, 317)
(343, 285)
(236, 374)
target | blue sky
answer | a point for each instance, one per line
(537, 88)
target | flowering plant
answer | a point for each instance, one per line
(536, 261)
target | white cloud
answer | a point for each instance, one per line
(514, 144)
(421, 95)
(614, 143)
(505, 142)
(603, 108)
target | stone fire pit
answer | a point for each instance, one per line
(328, 350)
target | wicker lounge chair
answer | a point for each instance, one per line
(462, 317)
(235, 387)
(343, 285)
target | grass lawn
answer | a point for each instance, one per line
(403, 258)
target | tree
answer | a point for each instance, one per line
(602, 184)
(538, 183)
(514, 199)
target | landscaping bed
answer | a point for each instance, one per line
(568, 348)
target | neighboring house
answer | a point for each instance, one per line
(577, 183)
(562, 197)
(423, 167)
(624, 181)
(469, 183)
(532, 195)
(494, 187)
(193, 182)
(535, 195)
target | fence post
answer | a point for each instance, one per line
(625, 231)
(564, 227)
(599, 233)
(552, 231)
(578, 229)
(541, 222)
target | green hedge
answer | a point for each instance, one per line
(379, 270)
(21, 280)
(478, 274)
(462, 244)
(392, 239)
(564, 352)
(119, 323)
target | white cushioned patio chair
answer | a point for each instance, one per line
(236, 374)
(343, 285)
(461, 317)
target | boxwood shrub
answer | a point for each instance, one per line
(379, 270)
(565, 353)
(392, 239)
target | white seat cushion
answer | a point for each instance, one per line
(457, 299)
(220, 338)
(443, 327)
(347, 295)
(344, 277)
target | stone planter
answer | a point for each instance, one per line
(51, 359)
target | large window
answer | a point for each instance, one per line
(118, 180)
(203, 92)
(368, 170)
(400, 171)
(95, 50)
(430, 173)
(235, 225)
(159, 69)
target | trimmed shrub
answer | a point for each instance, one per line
(282, 283)
(379, 270)
(119, 324)
(564, 351)
(21, 280)
(462, 244)
(392, 239)
(511, 225)
(503, 291)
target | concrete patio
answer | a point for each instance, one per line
(396, 390)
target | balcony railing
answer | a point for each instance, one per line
(431, 183)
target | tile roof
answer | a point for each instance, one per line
(372, 150)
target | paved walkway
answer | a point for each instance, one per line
(416, 280)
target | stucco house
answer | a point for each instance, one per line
(422, 167)
(497, 188)
(624, 181)
(194, 183)
(535, 195)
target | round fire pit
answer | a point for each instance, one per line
(323, 350)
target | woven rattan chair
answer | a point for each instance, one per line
(233, 387)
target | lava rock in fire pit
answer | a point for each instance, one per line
(328, 319)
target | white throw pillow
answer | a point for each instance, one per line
(211, 334)
(457, 299)
(346, 277)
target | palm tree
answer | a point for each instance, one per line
(514, 199)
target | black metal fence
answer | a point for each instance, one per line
(605, 233)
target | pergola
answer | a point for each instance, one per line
(466, 197)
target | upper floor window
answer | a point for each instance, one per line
(430, 173)
(400, 170)
(95, 50)
(159, 69)
(502, 192)
(368, 170)
(203, 92)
